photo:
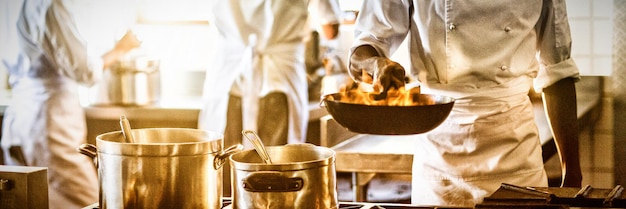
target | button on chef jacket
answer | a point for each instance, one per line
(487, 55)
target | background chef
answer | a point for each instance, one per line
(45, 121)
(258, 81)
(259, 75)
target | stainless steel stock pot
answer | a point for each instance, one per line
(300, 176)
(163, 168)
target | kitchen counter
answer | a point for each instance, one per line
(180, 114)
(185, 108)
(177, 112)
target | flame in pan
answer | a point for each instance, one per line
(364, 93)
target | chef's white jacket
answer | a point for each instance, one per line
(486, 55)
(45, 119)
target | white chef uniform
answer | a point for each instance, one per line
(485, 54)
(261, 50)
(45, 118)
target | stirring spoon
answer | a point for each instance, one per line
(126, 131)
(258, 145)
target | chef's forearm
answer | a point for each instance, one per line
(560, 104)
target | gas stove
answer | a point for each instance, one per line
(362, 205)
(226, 204)
(512, 197)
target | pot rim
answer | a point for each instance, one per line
(237, 162)
(193, 142)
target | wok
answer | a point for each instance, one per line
(429, 112)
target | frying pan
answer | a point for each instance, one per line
(428, 113)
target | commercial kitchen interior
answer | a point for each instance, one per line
(184, 42)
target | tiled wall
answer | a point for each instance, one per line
(618, 81)
(591, 28)
(595, 27)
(598, 147)
(597, 144)
(594, 24)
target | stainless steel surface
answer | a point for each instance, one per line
(366, 155)
(559, 198)
(164, 168)
(126, 131)
(300, 176)
(428, 112)
(180, 113)
(24, 187)
(375, 154)
(554, 197)
(526, 190)
(258, 145)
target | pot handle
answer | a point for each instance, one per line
(221, 157)
(90, 151)
(271, 181)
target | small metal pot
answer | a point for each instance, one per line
(163, 168)
(300, 176)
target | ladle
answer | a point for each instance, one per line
(258, 145)
(126, 131)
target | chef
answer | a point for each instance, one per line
(45, 123)
(258, 81)
(487, 55)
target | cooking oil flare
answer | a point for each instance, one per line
(364, 92)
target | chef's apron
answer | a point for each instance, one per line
(489, 138)
(43, 126)
(45, 123)
(257, 57)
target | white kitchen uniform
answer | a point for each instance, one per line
(261, 50)
(45, 123)
(486, 55)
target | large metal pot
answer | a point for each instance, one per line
(164, 168)
(133, 81)
(301, 176)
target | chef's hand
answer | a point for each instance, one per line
(385, 73)
(128, 42)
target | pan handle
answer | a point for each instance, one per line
(221, 157)
(89, 150)
(325, 97)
